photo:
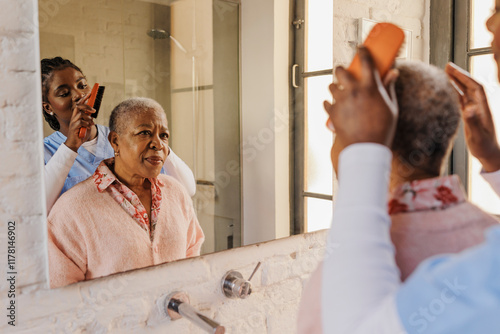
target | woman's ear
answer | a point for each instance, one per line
(47, 108)
(113, 140)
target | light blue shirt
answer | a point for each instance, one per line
(85, 163)
(455, 293)
(362, 292)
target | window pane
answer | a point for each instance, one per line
(319, 140)
(319, 35)
(480, 11)
(484, 70)
(319, 214)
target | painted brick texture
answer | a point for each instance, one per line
(407, 14)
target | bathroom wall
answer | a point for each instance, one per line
(408, 14)
(133, 302)
(126, 303)
(109, 45)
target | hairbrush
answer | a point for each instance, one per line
(383, 42)
(94, 101)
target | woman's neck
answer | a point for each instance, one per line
(139, 185)
(402, 173)
(134, 182)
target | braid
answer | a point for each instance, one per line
(49, 66)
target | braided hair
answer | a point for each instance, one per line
(49, 66)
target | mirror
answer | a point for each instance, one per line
(183, 54)
(262, 123)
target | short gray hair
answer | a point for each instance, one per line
(123, 111)
(429, 116)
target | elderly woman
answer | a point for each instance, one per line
(430, 212)
(127, 215)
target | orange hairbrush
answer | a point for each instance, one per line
(94, 101)
(383, 42)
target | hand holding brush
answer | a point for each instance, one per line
(94, 101)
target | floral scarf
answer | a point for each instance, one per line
(428, 194)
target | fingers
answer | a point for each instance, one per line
(329, 110)
(452, 71)
(82, 117)
(367, 65)
(459, 88)
(84, 109)
(470, 92)
(327, 105)
(86, 123)
(78, 122)
(464, 85)
(461, 77)
(455, 70)
(82, 123)
(391, 77)
(335, 90)
(344, 77)
(83, 99)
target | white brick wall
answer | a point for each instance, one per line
(408, 14)
(126, 303)
(21, 197)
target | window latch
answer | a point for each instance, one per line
(298, 23)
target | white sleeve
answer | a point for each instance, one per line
(360, 277)
(175, 167)
(56, 172)
(493, 179)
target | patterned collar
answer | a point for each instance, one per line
(428, 194)
(105, 180)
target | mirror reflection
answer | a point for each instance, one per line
(182, 54)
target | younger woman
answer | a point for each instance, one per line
(68, 158)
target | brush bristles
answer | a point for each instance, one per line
(98, 100)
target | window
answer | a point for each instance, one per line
(472, 48)
(312, 66)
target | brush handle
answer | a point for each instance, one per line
(90, 102)
(82, 133)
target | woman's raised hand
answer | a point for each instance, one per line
(81, 118)
(478, 123)
(363, 110)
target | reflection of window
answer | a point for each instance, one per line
(476, 56)
(313, 141)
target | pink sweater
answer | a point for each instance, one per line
(429, 217)
(91, 236)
